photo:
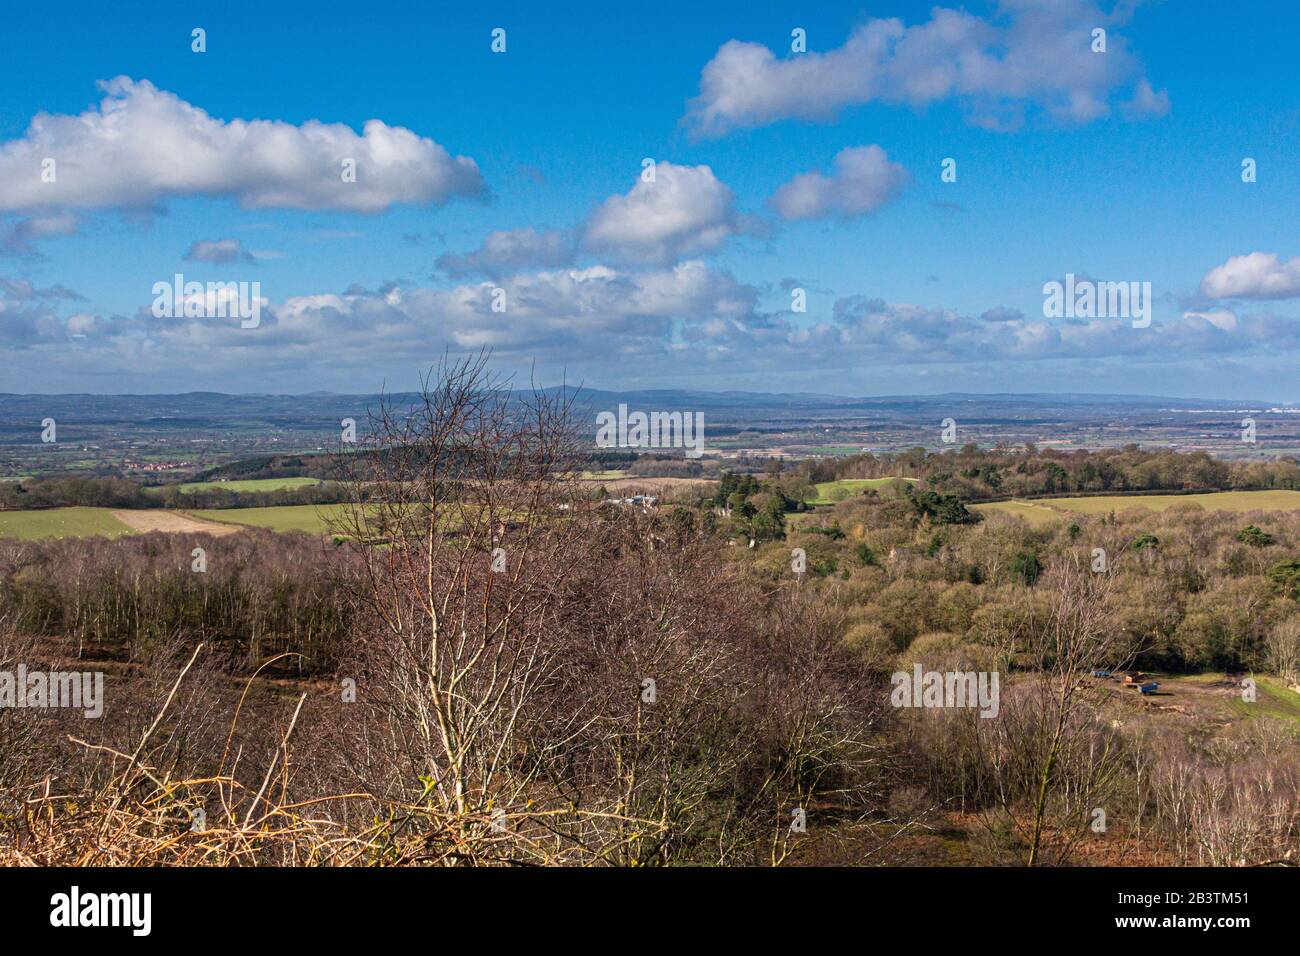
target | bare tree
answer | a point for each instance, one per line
(566, 681)
(462, 501)
(1052, 751)
(1283, 647)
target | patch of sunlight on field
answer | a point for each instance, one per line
(795, 518)
(249, 484)
(1272, 699)
(1238, 501)
(1033, 512)
(60, 523)
(602, 475)
(313, 519)
(830, 492)
(836, 450)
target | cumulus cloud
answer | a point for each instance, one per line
(1032, 52)
(16, 237)
(1146, 101)
(663, 320)
(1259, 275)
(1219, 318)
(593, 314)
(142, 146)
(29, 315)
(685, 211)
(862, 181)
(900, 332)
(863, 332)
(22, 290)
(510, 250)
(220, 251)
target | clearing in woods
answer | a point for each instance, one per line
(830, 492)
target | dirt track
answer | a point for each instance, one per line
(171, 521)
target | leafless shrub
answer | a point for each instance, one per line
(1235, 803)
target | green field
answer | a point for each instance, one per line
(836, 451)
(1272, 696)
(60, 523)
(251, 484)
(310, 518)
(829, 492)
(1043, 510)
(1033, 512)
(1272, 699)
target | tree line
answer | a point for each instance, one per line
(87, 492)
(973, 473)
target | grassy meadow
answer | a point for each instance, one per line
(313, 519)
(251, 484)
(100, 522)
(830, 492)
(1042, 511)
(61, 523)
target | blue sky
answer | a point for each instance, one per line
(521, 172)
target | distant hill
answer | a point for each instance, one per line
(323, 410)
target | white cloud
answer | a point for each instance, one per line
(863, 180)
(1146, 101)
(910, 333)
(509, 250)
(16, 237)
(592, 314)
(142, 146)
(220, 251)
(1219, 318)
(1032, 52)
(685, 211)
(1259, 275)
(590, 320)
